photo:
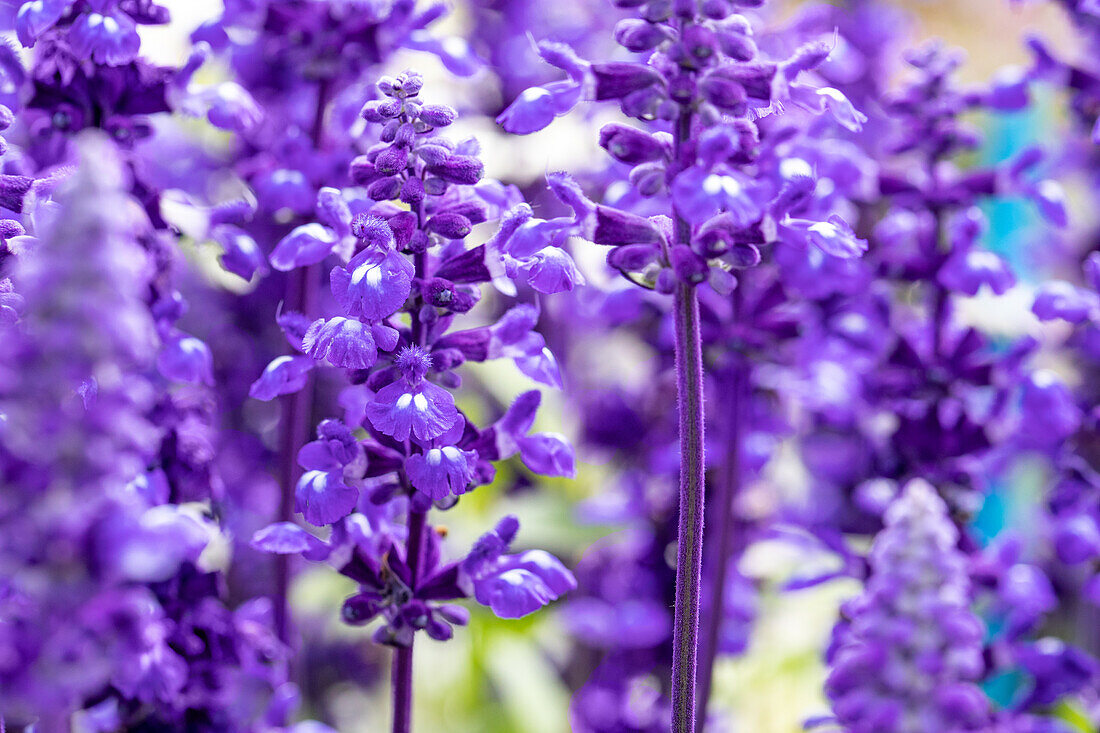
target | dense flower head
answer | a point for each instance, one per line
(909, 656)
(704, 78)
(267, 318)
(108, 599)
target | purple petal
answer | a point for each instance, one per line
(373, 287)
(1060, 299)
(548, 454)
(305, 245)
(110, 39)
(324, 498)
(441, 472)
(966, 271)
(284, 375)
(287, 538)
(186, 359)
(341, 342)
(426, 411)
(241, 255)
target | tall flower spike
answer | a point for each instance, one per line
(74, 399)
(406, 276)
(911, 653)
(703, 85)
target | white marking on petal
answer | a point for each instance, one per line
(791, 167)
(825, 229)
(404, 401)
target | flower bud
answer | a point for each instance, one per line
(418, 242)
(755, 77)
(463, 169)
(724, 93)
(633, 257)
(406, 134)
(644, 104)
(473, 210)
(384, 189)
(433, 154)
(360, 609)
(617, 79)
(717, 9)
(449, 225)
(630, 145)
(689, 267)
(389, 108)
(666, 281)
(438, 115)
(698, 43)
(737, 46)
(403, 225)
(638, 35)
(648, 179)
(615, 227)
(413, 191)
(371, 111)
(435, 186)
(362, 170)
(439, 292)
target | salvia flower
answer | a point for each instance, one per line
(910, 655)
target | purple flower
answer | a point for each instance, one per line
(1060, 299)
(323, 497)
(186, 359)
(441, 472)
(342, 342)
(36, 17)
(912, 650)
(514, 585)
(108, 38)
(699, 195)
(306, 245)
(423, 410)
(374, 285)
(833, 237)
(967, 271)
(284, 375)
(240, 253)
(285, 538)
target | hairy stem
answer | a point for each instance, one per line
(689, 554)
(689, 395)
(402, 682)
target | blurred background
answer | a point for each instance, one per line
(502, 676)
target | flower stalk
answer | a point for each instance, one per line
(689, 554)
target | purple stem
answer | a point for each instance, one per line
(403, 656)
(689, 553)
(729, 487)
(402, 680)
(297, 408)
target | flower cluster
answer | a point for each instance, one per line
(910, 652)
(417, 199)
(281, 362)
